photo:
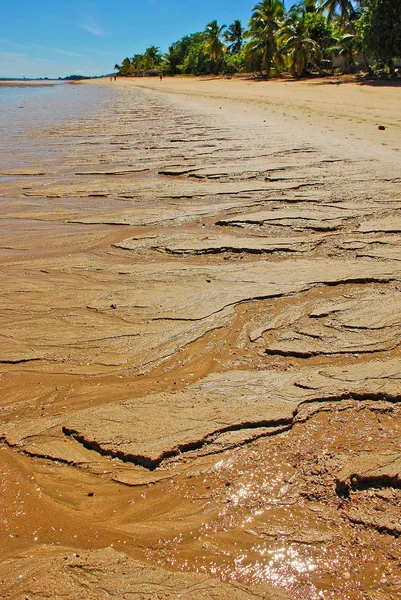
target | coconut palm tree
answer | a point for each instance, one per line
(344, 8)
(311, 6)
(152, 57)
(348, 14)
(126, 67)
(344, 46)
(296, 45)
(235, 37)
(263, 25)
(214, 47)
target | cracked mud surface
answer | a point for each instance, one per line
(200, 353)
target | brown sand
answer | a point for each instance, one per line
(200, 360)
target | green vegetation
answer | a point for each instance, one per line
(379, 31)
(313, 36)
(296, 48)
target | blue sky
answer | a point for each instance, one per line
(52, 38)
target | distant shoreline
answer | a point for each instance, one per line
(29, 83)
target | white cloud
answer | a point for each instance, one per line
(14, 64)
(3, 41)
(66, 53)
(97, 51)
(93, 28)
(88, 13)
(56, 50)
(23, 58)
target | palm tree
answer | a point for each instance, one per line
(213, 44)
(152, 57)
(344, 8)
(264, 23)
(137, 62)
(296, 45)
(311, 6)
(344, 46)
(126, 67)
(347, 13)
(235, 37)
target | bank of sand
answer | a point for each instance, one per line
(201, 360)
(337, 107)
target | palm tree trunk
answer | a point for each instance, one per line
(366, 64)
(267, 61)
(314, 64)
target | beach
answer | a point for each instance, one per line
(200, 358)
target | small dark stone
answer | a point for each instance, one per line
(113, 305)
(228, 483)
(381, 127)
(90, 494)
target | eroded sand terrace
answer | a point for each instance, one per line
(200, 358)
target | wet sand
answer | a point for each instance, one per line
(200, 358)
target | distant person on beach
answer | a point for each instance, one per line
(161, 76)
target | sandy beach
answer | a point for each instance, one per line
(200, 355)
(336, 107)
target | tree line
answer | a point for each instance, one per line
(305, 38)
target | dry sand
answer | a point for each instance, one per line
(200, 360)
(338, 107)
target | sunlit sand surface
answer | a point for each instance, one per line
(200, 352)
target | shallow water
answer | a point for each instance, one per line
(30, 110)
